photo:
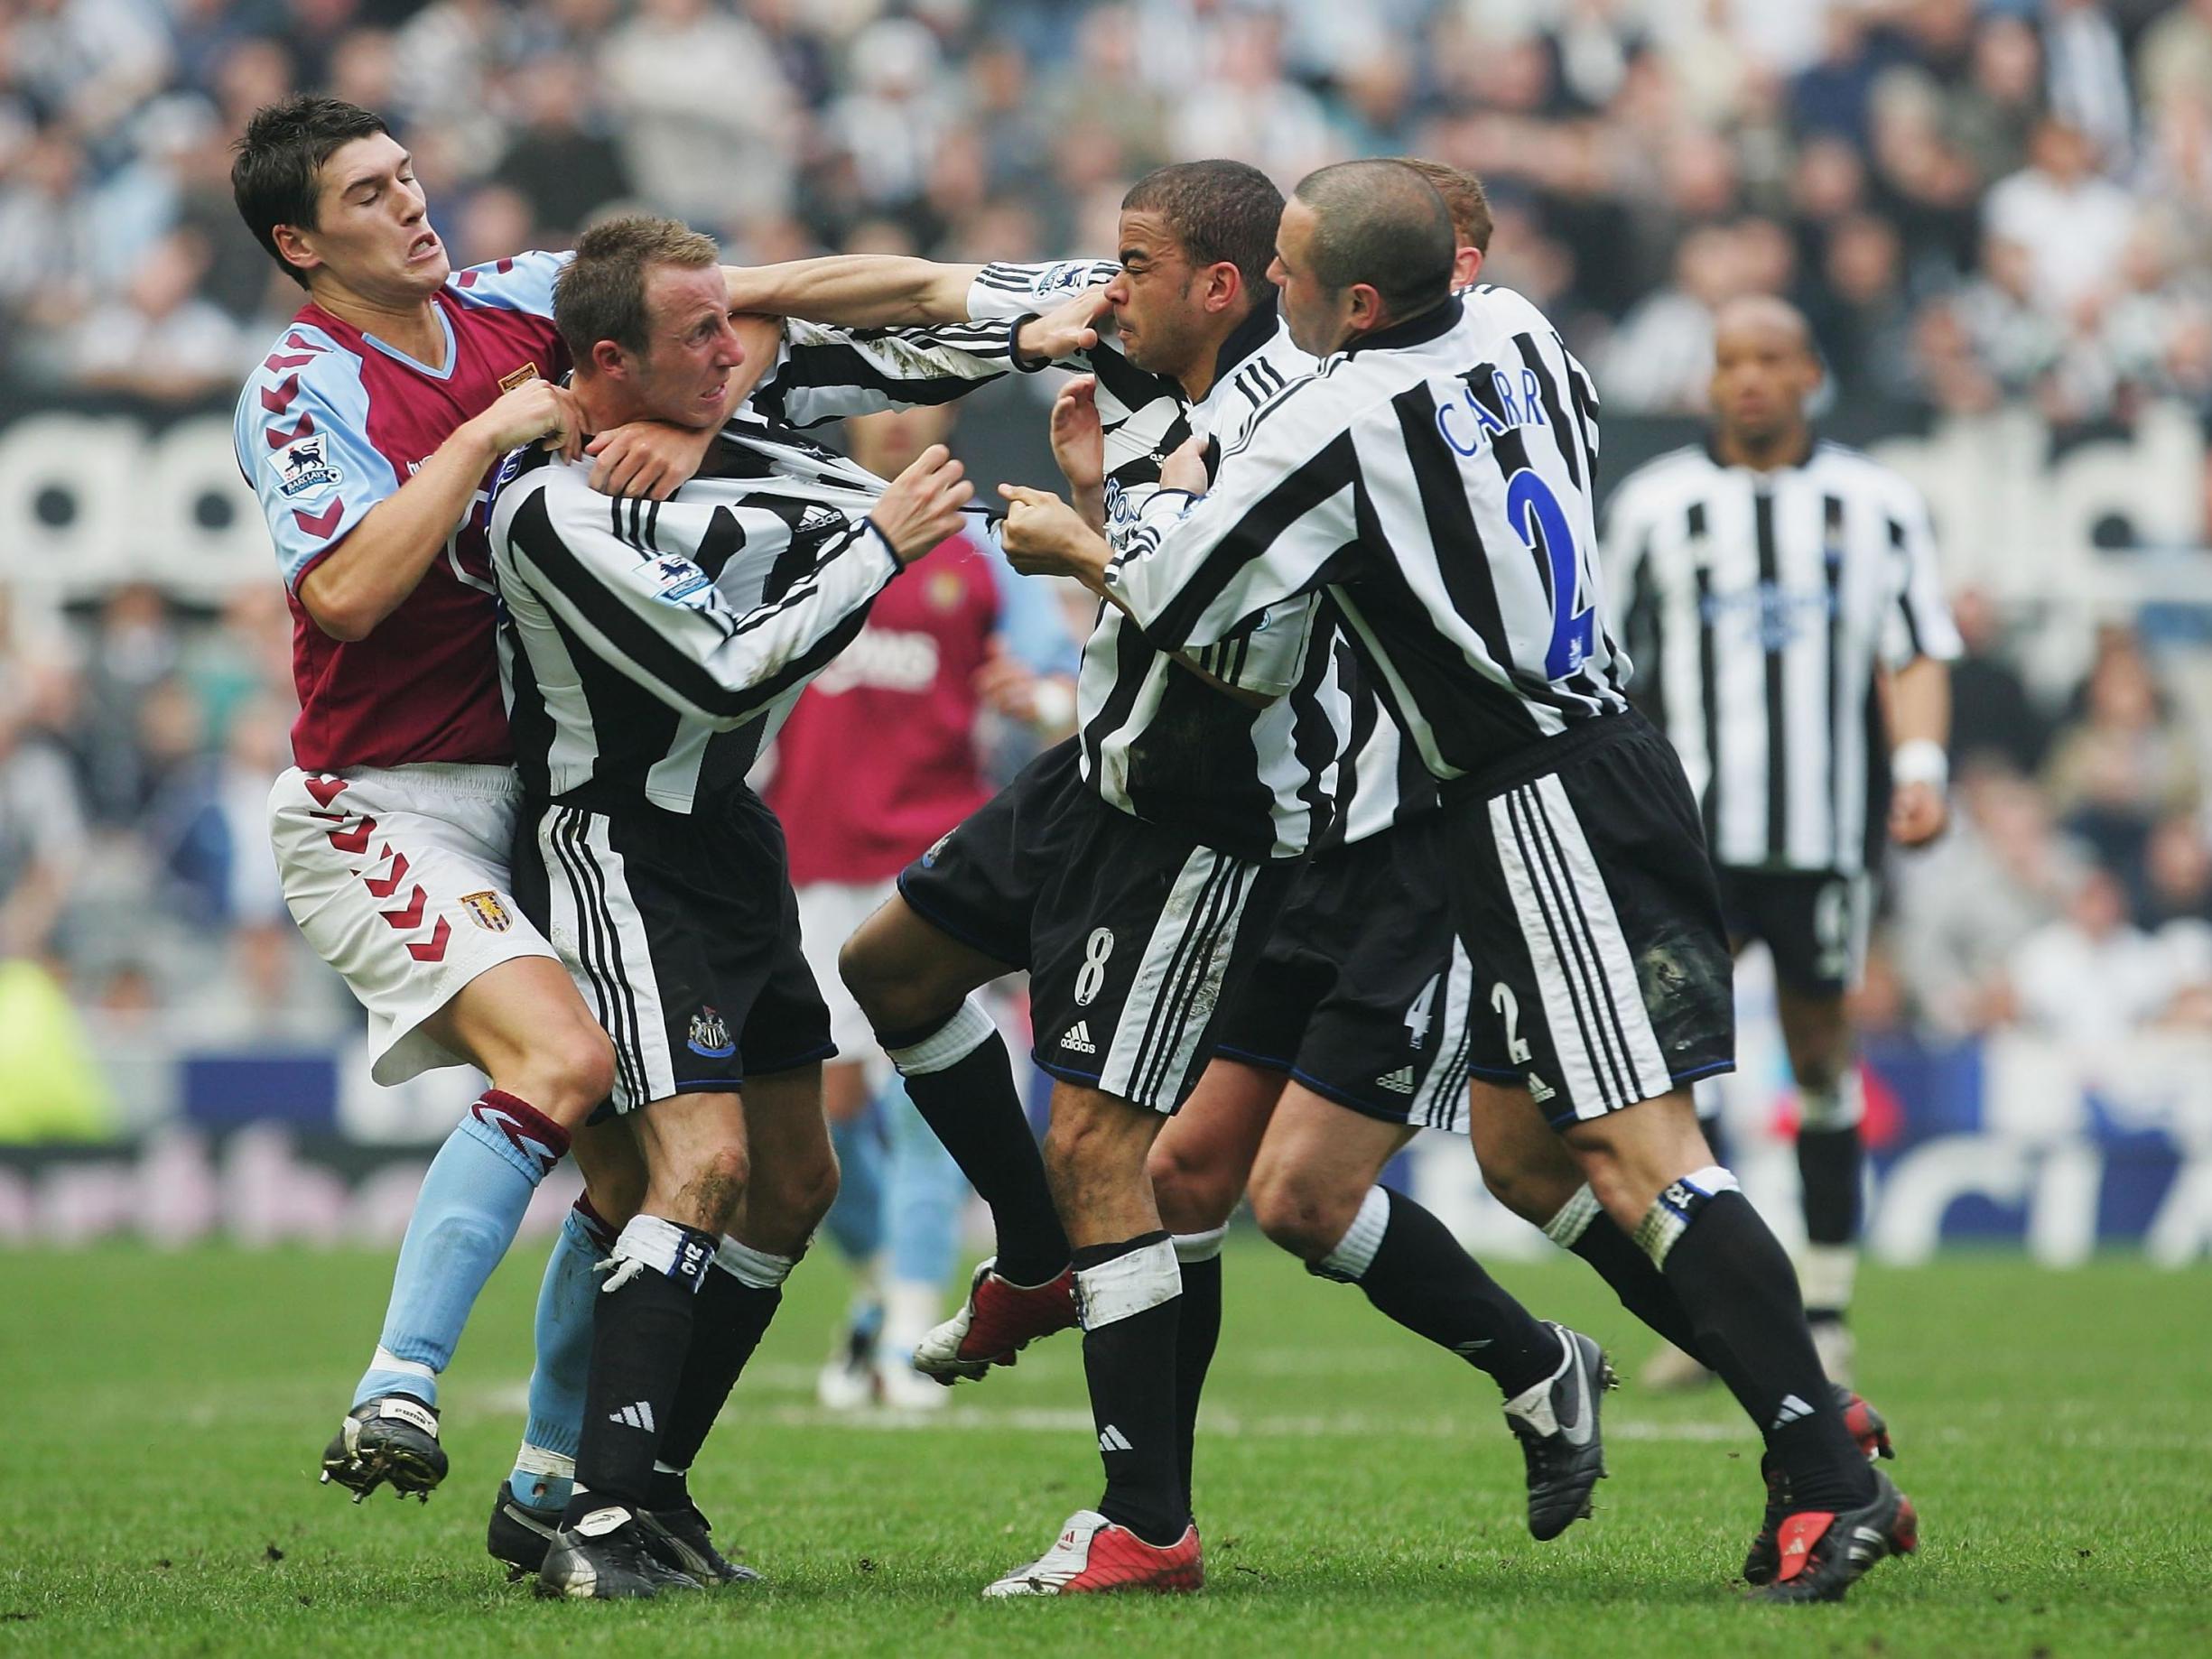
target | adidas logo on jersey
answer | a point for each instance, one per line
(817, 517)
(1111, 1439)
(638, 1416)
(1539, 1090)
(1078, 1039)
(1399, 1082)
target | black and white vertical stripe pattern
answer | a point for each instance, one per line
(1178, 980)
(1381, 782)
(1442, 1102)
(1156, 741)
(1437, 481)
(1594, 1006)
(1760, 607)
(600, 932)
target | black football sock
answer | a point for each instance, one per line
(1828, 1167)
(1415, 1270)
(960, 1080)
(1735, 1280)
(1129, 1295)
(640, 1332)
(1198, 1331)
(734, 1305)
(1583, 1226)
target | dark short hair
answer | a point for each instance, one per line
(600, 294)
(276, 164)
(1383, 224)
(1465, 199)
(1217, 211)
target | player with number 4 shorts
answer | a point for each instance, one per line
(1434, 478)
(1354, 1033)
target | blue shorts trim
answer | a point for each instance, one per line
(1350, 1101)
(1266, 1062)
(948, 930)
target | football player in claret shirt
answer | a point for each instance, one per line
(368, 432)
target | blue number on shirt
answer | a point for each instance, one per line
(1538, 518)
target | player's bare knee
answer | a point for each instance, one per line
(792, 1201)
(568, 1072)
(1511, 1186)
(1303, 1210)
(1191, 1196)
(861, 965)
(895, 992)
(712, 1182)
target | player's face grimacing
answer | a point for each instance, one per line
(684, 375)
(1763, 370)
(372, 223)
(1151, 296)
(1318, 318)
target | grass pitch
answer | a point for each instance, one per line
(1358, 1493)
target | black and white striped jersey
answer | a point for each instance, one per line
(1156, 741)
(1759, 606)
(1381, 782)
(1436, 480)
(649, 649)
(824, 374)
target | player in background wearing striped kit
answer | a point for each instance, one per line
(1781, 598)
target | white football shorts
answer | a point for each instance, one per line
(399, 879)
(830, 912)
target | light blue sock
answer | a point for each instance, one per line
(545, 1467)
(855, 1221)
(465, 1218)
(925, 1195)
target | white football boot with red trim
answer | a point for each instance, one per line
(1093, 1556)
(997, 1321)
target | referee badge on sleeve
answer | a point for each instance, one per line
(487, 911)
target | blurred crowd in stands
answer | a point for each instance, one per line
(2000, 204)
(1974, 201)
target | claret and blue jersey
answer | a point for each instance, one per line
(333, 422)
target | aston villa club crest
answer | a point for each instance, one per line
(521, 376)
(487, 911)
(710, 1037)
(943, 589)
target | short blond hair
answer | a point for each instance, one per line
(600, 294)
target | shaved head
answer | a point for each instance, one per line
(1764, 313)
(1765, 367)
(1362, 245)
(1381, 224)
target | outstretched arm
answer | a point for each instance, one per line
(862, 290)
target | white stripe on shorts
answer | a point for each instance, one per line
(1441, 1102)
(1592, 1004)
(614, 957)
(1178, 980)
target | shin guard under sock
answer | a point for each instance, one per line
(959, 1079)
(641, 1332)
(1127, 1293)
(1413, 1270)
(1198, 1331)
(1736, 1282)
